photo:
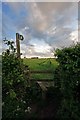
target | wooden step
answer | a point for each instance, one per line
(47, 80)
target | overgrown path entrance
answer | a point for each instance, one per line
(41, 71)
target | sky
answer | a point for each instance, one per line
(45, 26)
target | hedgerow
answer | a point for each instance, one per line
(13, 84)
(67, 79)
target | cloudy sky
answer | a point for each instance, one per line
(45, 26)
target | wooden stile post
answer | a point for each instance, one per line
(18, 45)
(18, 38)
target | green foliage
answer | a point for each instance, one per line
(33, 93)
(14, 84)
(67, 79)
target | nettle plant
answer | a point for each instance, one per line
(13, 84)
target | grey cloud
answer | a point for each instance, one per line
(37, 54)
(43, 17)
(54, 7)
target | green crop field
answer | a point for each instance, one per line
(43, 64)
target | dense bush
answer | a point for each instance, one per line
(13, 84)
(67, 79)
